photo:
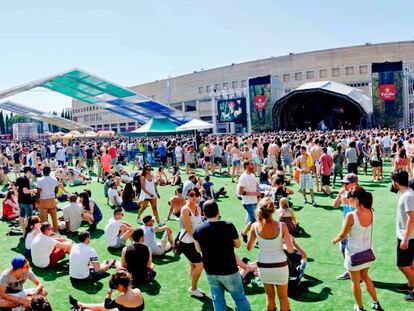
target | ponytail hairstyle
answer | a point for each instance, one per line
(265, 209)
(284, 203)
(364, 197)
(30, 224)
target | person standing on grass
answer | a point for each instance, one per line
(47, 186)
(216, 240)
(326, 164)
(249, 191)
(358, 230)
(405, 230)
(305, 163)
(149, 194)
(189, 220)
(24, 197)
(272, 261)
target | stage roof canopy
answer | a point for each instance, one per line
(91, 89)
(42, 116)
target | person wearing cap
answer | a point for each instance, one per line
(167, 240)
(12, 293)
(348, 183)
(48, 249)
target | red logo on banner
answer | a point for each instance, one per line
(260, 102)
(387, 91)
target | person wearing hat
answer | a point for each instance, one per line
(167, 240)
(348, 183)
(12, 294)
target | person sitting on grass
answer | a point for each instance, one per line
(114, 195)
(280, 191)
(32, 230)
(12, 293)
(287, 215)
(72, 214)
(167, 240)
(137, 259)
(117, 232)
(62, 194)
(83, 260)
(131, 298)
(129, 198)
(96, 212)
(176, 177)
(176, 203)
(48, 248)
(161, 177)
(40, 303)
(10, 207)
(209, 192)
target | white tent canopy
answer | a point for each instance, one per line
(195, 124)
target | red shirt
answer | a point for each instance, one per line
(112, 152)
(326, 164)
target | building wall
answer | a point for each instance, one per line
(191, 92)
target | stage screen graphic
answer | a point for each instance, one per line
(231, 110)
(260, 103)
(387, 94)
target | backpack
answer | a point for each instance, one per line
(294, 270)
(97, 214)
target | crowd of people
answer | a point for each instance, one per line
(264, 168)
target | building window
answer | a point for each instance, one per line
(86, 118)
(98, 116)
(92, 117)
(208, 88)
(298, 76)
(323, 73)
(75, 119)
(225, 85)
(99, 127)
(335, 72)
(349, 71)
(106, 125)
(310, 75)
(131, 124)
(363, 69)
(190, 106)
(114, 125)
(122, 124)
(243, 83)
(286, 77)
(200, 89)
(217, 87)
(234, 84)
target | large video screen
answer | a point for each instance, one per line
(260, 103)
(231, 110)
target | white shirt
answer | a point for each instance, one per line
(113, 196)
(81, 255)
(112, 231)
(61, 154)
(386, 142)
(52, 148)
(48, 185)
(42, 247)
(73, 213)
(405, 205)
(30, 237)
(149, 237)
(250, 184)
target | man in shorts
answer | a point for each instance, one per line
(306, 180)
(12, 293)
(117, 232)
(316, 152)
(405, 231)
(167, 240)
(176, 203)
(24, 197)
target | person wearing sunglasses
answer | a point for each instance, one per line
(190, 218)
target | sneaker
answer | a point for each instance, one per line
(139, 221)
(196, 293)
(410, 296)
(377, 306)
(305, 201)
(343, 276)
(356, 308)
(74, 302)
(313, 203)
(404, 288)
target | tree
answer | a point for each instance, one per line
(2, 125)
(7, 131)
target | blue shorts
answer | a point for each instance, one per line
(26, 210)
(236, 162)
(250, 209)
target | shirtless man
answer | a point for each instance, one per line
(208, 157)
(228, 155)
(316, 152)
(176, 203)
(306, 181)
(273, 152)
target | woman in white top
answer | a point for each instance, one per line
(236, 162)
(190, 218)
(149, 193)
(271, 261)
(32, 230)
(256, 159)
(357, 228)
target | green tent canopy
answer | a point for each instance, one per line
(156, 127)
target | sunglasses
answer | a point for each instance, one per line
(193, 194)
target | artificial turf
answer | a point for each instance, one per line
(319, 289)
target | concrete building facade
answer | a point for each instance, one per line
(192, 92)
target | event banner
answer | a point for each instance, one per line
(260, 103)
(387, 94)
(232, 110)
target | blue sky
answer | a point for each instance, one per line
(133, 41)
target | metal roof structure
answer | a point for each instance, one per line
(91, 89)
(42, 116)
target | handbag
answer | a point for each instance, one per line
(177, 244)
(364, 256)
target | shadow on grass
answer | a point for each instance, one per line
(304, 294)
(151, 289)
(254, 289)
(301, 233)
(89, 287)
(114, 251)
(208, 304)
(298, 208)
(97, 233)
(165, 259)
(392, 287)
(51, 274)
(20, 247)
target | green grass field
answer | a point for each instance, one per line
(320, 289)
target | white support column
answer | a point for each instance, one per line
(214, 114)
(249, 118)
